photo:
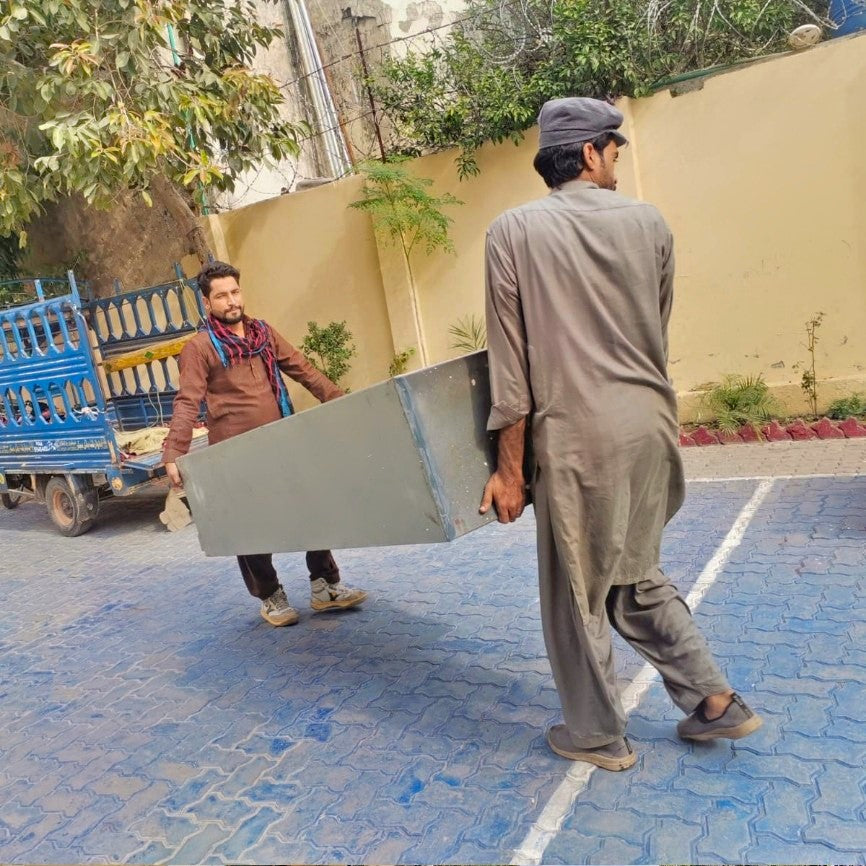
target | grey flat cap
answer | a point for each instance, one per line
(577, 118)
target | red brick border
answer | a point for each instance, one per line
(797, 430)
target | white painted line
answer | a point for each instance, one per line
(710, 479)
(557, 809)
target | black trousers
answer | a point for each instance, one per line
(261, 577)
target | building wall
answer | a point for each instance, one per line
(385, 28)
(762, 178)
(282, 62)
(308, 256)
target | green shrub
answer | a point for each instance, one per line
(739, 400)
(398, 365)
(847, 406)
(469, 334)
(329, 349)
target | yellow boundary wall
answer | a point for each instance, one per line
(759, 171)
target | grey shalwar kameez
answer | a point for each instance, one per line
(579, 291)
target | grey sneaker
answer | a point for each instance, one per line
(277, 611)
(615, 756)
(737, 721)
(333, 596)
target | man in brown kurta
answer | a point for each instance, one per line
(579, 292)
(234, 365)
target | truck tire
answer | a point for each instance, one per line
(10, 500)
(72, 504)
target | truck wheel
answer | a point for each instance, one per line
(72, 505)
(10, 500)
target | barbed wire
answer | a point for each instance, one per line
(399, 39)
(432, 35)
(513, 34)
(509, 30)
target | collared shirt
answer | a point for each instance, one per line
(239, 397)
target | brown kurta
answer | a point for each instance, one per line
(579, 290)
(239, 398)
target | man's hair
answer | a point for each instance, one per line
(564, 162)
(214, 271)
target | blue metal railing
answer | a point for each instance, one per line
(48, 378)
(53, 416)
(130, 320)
(143, 395)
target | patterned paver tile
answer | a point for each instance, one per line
(153, 717)
(794, 792)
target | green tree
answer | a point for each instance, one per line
(489, 77)
(329, 349)
(10, 255)
(402, 208)
(809, 379)
(98, 96)
(405, 213)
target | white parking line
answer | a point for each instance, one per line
(710, 479)
(549, 822)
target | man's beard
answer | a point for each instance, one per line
(607, 183)
(230, 318)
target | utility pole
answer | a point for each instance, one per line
(361, 52)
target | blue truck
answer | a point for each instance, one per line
(81, 379)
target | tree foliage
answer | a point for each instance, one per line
(489, 77)
(407, 215)
(329, 349)
(402, 208)
(10, 257)
(102, 95)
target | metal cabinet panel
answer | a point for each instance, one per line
(401, 462)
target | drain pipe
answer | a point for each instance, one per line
(334, 144)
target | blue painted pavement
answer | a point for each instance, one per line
(147, 713)
(786, 620)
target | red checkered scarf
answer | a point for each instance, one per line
(232, 349)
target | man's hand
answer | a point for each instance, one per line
(505, 493)
(504, 489)
(173, 474)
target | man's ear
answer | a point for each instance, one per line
(590, 156)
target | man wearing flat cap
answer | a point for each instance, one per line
(579, 291)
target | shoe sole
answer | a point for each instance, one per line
(293, 620)
(615, 765)
(736, 733)
(321, 606)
